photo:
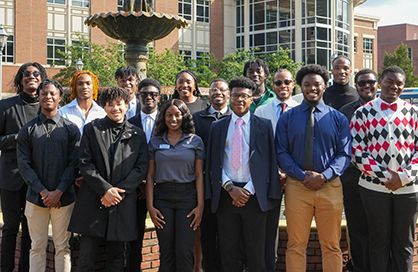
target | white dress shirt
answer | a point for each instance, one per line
(75, 114)
(131, 112)
(242, 174)
(212, 110)
(272, 110)
(148, 122)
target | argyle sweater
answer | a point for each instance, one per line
(380, 143)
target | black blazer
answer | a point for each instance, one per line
(119, 222)
(12, 118)
(263, 166)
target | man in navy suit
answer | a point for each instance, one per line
(242, 178)
(149, 96)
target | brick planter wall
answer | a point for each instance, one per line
(150, 252)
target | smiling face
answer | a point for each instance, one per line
(313, 88)
(392, 87)
(283, 91)
(173, 118)
(256, 73)
(129, 83)
(366, 87)
(241, 99)
(116, 110)
(29, 81)
(49, 98)
(341, 70)
(185, 86)
(218, 94)
(85, 87)
(149, 98)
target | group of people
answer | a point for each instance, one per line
(210, 172)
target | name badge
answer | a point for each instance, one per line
(164, 146)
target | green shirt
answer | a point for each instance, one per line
(268, 96)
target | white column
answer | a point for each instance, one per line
(298, 30)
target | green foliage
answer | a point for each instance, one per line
(400, 58)
(202, 68)
(233, 64)
(164, 66)
(102, 60)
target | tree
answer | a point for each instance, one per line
(101, 60)
(164, 66)
(400, 58)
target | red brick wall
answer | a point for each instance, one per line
(100, 6)
(361, 28)
(217, 29)
(170, 41)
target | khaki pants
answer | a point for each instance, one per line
(301, 205)
(38, 222)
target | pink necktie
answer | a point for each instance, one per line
(237, 144)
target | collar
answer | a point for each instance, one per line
(132, 103)
(56, 118)
(29, 99)
(182, 138)
(212, 109)
(290, 103)
(380, 101)
(341, 88)
(246, 117)
(152, 115)
(321, 106)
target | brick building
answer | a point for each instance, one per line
(313, 30)
(365, 36)
(390, 37)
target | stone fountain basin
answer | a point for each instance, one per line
(140, 27)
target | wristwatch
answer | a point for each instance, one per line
(228, 185)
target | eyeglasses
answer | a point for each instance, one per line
(28, 73)
(152, 94)
(286, 82)
(363, 83)
(217, 89)
(237, 96)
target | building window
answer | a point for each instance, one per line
(185, 9)
(186, 54)
(355, 44)
(410, 55)
(61, 2)
(53, 56)
(9, 50)
(368, 46)
(368, 61)
(120, 5)
(202, 11)
(81, 3)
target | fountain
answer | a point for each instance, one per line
(136, 26)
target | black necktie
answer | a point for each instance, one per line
(217, 114)
(309, 142)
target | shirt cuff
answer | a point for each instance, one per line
(328, 174)
(404, 178)
(250, 187)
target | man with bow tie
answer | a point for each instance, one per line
(384, 147)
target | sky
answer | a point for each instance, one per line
(391, 12)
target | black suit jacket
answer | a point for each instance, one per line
(119, 222)
(12, 118)
(263, 166)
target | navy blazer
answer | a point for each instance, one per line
(263, 166)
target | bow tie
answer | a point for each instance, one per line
(385, 106)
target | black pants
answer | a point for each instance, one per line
(176, 239)
(88, 252)
(13, 207)
(209, 240)
(392, 220)
(355, 214)
(134, 248)
(272, 237)
(246, 224)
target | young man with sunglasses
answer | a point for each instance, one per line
(16, 112)
(149, 97)
(283, 85)
(385, 135)
(366, 85)
(340, 92)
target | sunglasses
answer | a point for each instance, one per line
(28, 73)
(152, 94)
(363, 83)
(286, 82)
